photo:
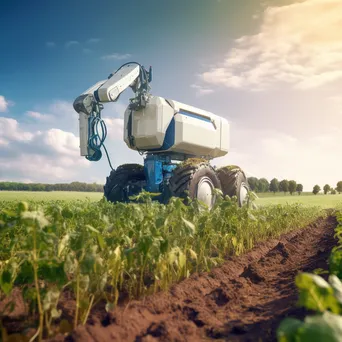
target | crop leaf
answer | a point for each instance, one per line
(67, 213)
(335, 263)
(6, 282)
(25, 274)
(189, 225)
(315, 293)
(336, 284)
(288, 329)
(326, 327)
(53, 272)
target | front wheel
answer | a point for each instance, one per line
(196, 180)
(234, 183)
(127, 180)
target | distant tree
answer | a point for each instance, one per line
(339, 187)
(326, 188)
(274, 185)
(292, 186)
(284, 186)
(263, 185)
(299, 188)
(253, 183)
(333, 191)
(74, 186)
(316, 189)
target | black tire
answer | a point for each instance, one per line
(186, 178)
(116, 187)
(232, 179)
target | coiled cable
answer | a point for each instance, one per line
(97, 135)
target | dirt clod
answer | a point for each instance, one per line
(219, 297)
(251, 272)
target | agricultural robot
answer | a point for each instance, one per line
(177, 142)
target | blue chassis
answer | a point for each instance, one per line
(158, 169)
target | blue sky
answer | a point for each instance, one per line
(274, 76)
(55, 47)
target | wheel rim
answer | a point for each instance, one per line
(243, 194)
(205, 191)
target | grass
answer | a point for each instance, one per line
(307, 199)
(49, 196)
(265, 199)
(281, 194)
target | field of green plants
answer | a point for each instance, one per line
(49, 196)
(308, 199)
(264, 199)
(322, 296)
(100, 252)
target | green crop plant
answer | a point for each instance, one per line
(97, 252)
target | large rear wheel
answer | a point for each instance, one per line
(234, 183)
(127, 180)
(196, 179)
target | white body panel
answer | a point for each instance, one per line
(149, 124)
(196, 132)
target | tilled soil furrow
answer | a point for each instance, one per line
(243, 300)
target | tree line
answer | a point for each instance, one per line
(256, 185)
(263, 185)
(291, 186)
(74, 186)
(327, 188)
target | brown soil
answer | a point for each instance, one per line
(243, 300)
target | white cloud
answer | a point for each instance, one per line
(64, 108)
(71, 43)
(59, 114)
(39, 168)
(39, 116)
(41, 155)
(4, 104)
(115, 128)
(86, 51)
(3, 142)
(116, 56)
(50, 44)
(52, 155)
(302, 51)
(61, 142)
(200, 90)
(44, 146)
(9, 131)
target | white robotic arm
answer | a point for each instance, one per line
(128, 75)
(111, 89)
(89, 104)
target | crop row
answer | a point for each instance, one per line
(319, 296)
(100, 252)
